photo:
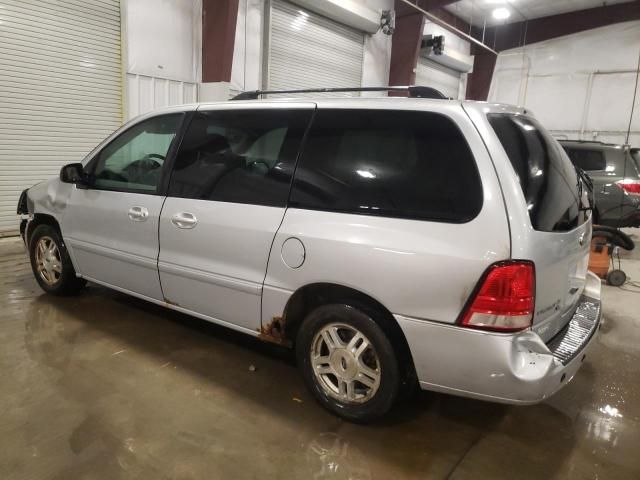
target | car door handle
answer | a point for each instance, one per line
(184, 220)
(138, 214)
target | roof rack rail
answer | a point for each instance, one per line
(593, 142)
(582, 141)
(414, 91)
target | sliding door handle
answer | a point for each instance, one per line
(138, 214)
(184, 220)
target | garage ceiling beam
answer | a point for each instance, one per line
(519, 34)
(403, 9)
(448, 21)
(433, 8)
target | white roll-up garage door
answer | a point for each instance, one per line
(432, 74)
(60, 89)
(308, 50)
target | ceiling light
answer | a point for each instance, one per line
(501, 13)
(366, 173)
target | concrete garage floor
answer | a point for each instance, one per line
(103, 386)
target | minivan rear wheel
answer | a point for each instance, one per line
(348, 362)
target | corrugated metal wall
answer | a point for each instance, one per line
(432, 74)
(60, 89)
(308, 50)
(580, 86)
(145, 93)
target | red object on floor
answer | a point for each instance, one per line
(599, 257)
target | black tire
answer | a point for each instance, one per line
(67, 283)
(364, 322)
(616, 278)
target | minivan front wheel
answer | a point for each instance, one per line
(348, 362)
(51, 263)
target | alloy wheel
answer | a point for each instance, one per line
(345, 363)
(48, 261)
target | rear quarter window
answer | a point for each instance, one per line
(556, 199)
(388, 163)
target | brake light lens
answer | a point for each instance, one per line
(629, 186)
(505, 300)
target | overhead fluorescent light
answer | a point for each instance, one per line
(501, 13)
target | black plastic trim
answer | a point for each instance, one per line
(22, 208)
(414, 91)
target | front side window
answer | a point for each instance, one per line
(239, 156)
(134, 160)
(405, 164)
(556, 197)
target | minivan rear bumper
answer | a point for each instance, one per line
(508, 368)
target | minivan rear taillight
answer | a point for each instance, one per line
(630, 186)
(505, 298)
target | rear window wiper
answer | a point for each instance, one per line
(584, 179)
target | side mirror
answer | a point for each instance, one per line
(72, 173)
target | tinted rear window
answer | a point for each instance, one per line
(389, 163)
(588, 160)
(547, 177)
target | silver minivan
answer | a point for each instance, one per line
(390, 241)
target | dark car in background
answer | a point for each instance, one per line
(615, 172)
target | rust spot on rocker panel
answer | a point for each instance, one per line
(273, 332)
